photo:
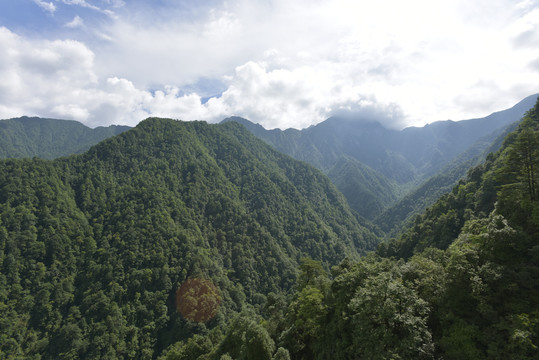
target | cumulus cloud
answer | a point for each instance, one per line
(323, 54)
(300, 97)
(280, 63)
(57, 79)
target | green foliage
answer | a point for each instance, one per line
(390, 176)
(389, 320)
(509, 178)
(94, 247)
(366, 190)
(246, 339)
(49, 138)
(465, 287)
(93, 250)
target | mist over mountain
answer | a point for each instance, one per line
(387, 175)
(395, 161)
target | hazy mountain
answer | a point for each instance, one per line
(431, 147)
(395, 217)
(405, 158)
(397, 173)
(94, 247)
(49, 138)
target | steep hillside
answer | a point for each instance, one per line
(467, 289)
(397, 216)
(94, 248)
(366, 190)
(431, 147)
(508, 178)
(406, 158)
(49, 138)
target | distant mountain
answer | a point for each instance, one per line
(94, 248)
(366, 190)
(351, 151)
(397, 216)
(386, 175)
(504, 185)
(49, 138)
(431, 147)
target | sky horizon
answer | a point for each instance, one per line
(278, 63)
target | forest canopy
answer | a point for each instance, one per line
(193, 241)
(95, 247)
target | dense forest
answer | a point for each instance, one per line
(388, 176)
(461, 283)
(94, 248)
(182, 240)
(49, 138)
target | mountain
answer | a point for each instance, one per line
(397, 216)
(100, 252)
(366, 190)
(431, 147)
(505, 182)
(397, 161)
(49, 138)
(460, 283)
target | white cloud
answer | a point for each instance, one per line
(57, 79)
(283, 63)
(115, 3)
(427, 56)
(86, 4)
(75, 23)
(283, 98)
(47, 6)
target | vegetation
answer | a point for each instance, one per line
(94, 248)
(400, 215)
(49, 138)
(464, 286)
(366, 190)
(389, 176)
(195, 241)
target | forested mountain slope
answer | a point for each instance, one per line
(94, 247)
(393, 162)
(49, 138)
(504, 178)
(393, 219)
(465, 285)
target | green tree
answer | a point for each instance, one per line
(390, 321)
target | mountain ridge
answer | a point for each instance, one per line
(95, 246)
(407, 157)
(49, 138)
(384, 164)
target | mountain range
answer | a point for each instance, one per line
(187, 240)
(376, 168)
(387, 176)
(112, 233)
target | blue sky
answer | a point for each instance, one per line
(280, 63)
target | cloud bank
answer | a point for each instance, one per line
(280, 63)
